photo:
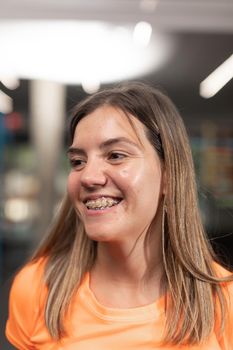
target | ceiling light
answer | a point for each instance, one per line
(90, 87)
(73, 52)
(142, 34)
(217, 79)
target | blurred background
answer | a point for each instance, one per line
(54, 53)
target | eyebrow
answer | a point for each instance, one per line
(105, 144)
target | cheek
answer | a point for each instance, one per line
(128, 179)
(140, 179)
(72, 185)
(147, 185)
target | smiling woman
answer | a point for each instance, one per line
(126, 264)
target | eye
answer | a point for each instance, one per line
(115, 156)
(77, 163)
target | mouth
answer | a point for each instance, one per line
(102, 203)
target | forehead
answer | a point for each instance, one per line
(108, 121)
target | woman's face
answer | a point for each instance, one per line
(115, 182)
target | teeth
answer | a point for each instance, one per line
(101, 203)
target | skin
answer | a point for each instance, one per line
(108, 158)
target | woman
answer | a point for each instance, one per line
(126, 264)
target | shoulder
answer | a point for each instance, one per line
(227, 284)
(28, 286)
(26, 303)
(225, 273)
(33, 270)
(226, 338)
(227, 287)
(221, 271)
(29, 280)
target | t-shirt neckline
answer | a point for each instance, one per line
(140, 314)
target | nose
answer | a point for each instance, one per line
(93, 174)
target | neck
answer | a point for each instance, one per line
(132, 261)
(129, 273)
(125, 276)
(126, 264)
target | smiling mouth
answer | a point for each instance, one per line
(102, 203)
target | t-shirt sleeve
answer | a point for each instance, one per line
(24, 306)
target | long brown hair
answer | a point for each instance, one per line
(193, 288)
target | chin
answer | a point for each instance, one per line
(100, 237)
(97, 235)
(100, 230)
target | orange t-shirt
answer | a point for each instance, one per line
(90, 325)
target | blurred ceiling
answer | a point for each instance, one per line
(201, 32)
(172, 15)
